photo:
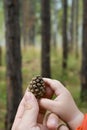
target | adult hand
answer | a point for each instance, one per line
(63, 105)
(26, 117)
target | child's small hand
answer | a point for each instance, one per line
(63, 105)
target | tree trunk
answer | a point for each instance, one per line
(32, 22)
(45, 56)
(28, 21)
(13, 60)
(76, 27)
(84, 55)
(55, 23)
(71, 43)
(65, 43)
(25, 21)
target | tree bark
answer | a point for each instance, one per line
(28, 21)
(71, 46)
(84, 55)
(45, 53)
(55, 23)
(65, 43)
(25, 22)
(13, 60)
(31, 31)
(76, 27)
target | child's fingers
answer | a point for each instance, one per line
(55, 85)
(50, 105)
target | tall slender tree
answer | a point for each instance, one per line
(28, 21)
(55, 22)
(65, 42)
(77, 27)
(25, 21)
(13, 60)
(45, 53)
(84, 55)
(32, 19)
(71, 44)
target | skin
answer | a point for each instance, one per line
(63, 105)
(30, 116)
(26, 117)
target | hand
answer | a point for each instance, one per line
(54, 122)
(51, 120)
(27, 114)
(26, 117)
(63, 105)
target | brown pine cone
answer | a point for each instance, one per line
(37, 87)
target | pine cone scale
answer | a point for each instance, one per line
(37, 87)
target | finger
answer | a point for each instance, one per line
(55, 85)
(63, 127)
(49, 91)
(49, 94)
(55, 123)
(19, 113)
(20, 110)
(29, 117)
(50, 105)
(52, 121)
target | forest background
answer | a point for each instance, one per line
(41, 37)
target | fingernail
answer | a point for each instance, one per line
(53, 122)
(28, 100)
(28, 96)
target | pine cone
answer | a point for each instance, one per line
(37, 87)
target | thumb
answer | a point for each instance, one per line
(31, 110)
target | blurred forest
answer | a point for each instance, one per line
(41, 37)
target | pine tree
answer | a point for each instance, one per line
(45, 53)
(65, 42)
(13, 60)
(84, 55)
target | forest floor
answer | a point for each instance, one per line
(31, 62)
